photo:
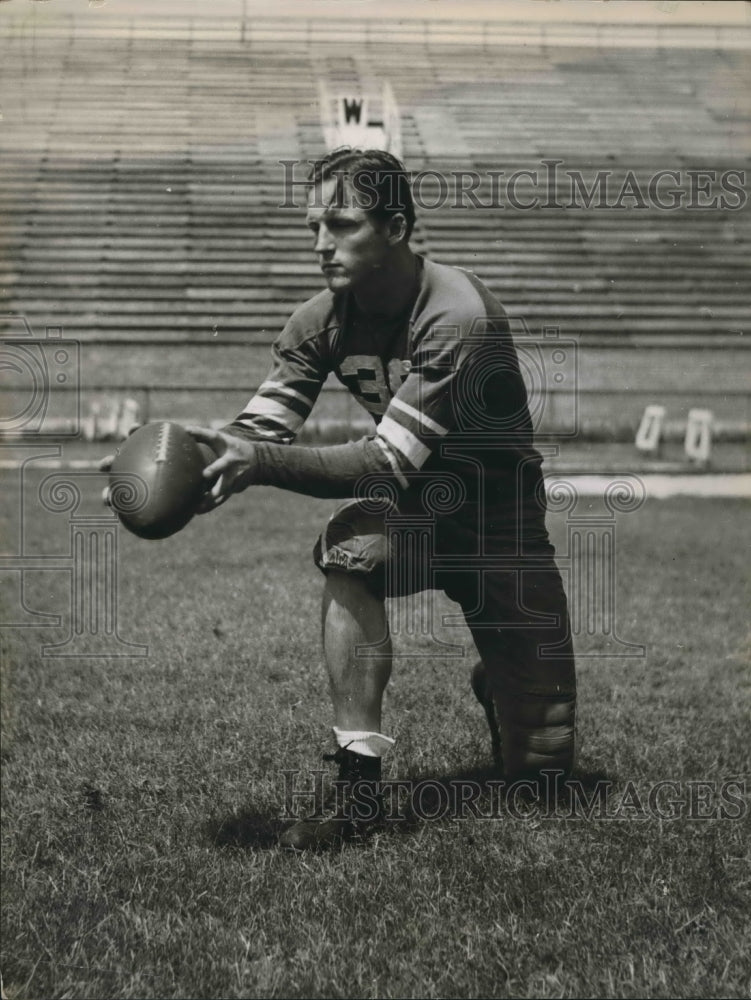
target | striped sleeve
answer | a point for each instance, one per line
(284, 400)
(421, 414)
(464, 378)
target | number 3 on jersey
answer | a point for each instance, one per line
(364, 377)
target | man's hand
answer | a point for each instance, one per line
(104, 466)
(232, 472)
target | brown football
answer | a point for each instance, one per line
(156, 479)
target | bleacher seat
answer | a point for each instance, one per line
(140, 188)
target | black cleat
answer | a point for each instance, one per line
(483, 693)
(356, 807)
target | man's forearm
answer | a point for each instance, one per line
(332, 472)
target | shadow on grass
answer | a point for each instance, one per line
(483, 791)
(426, 798)
(246, 828)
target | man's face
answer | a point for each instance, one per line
(350, 244)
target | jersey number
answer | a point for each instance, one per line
(363, 376)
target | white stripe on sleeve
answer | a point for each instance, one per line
(404, 441)
(421, 418)
(273, 435)
(262, 406)
(400, 477)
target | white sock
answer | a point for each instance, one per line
(363, 742)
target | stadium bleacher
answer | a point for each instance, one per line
(141, 185)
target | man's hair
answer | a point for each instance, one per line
(379, 179)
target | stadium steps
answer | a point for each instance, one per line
(135, 213)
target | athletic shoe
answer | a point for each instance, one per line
(356, 806)
(483, 693)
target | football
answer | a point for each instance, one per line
(156, 479)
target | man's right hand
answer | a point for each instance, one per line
(232, 472)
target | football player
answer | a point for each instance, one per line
(426, 349)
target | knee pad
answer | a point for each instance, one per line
(355, 541)
(537, 733)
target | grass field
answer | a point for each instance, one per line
(141, 797)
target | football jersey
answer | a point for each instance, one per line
(441, 382)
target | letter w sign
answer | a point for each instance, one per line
(352, 110)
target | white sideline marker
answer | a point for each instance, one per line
(129, 417)
(108, 422)
(649, 435)
(698, 442)
(90, 423)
